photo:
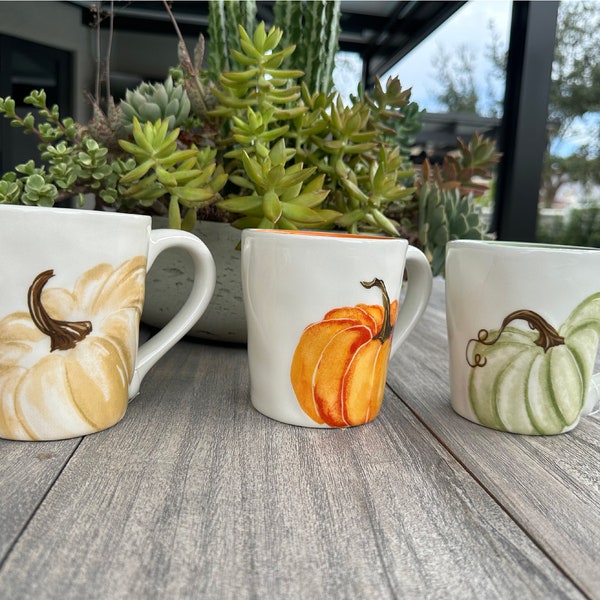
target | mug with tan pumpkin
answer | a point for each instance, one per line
(72, 295)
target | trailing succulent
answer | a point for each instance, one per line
(259, 147)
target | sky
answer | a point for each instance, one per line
(468, 26)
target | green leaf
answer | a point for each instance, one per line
(174, 214)
(301, 214)
(240, 204)
(138, 172)
(272, 206)
(192, 194)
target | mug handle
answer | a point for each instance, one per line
(418, 291)
(202, 290)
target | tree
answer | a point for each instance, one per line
(458, 91)
(574, 94)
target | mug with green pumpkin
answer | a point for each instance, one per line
(523, 329)
(73, 286)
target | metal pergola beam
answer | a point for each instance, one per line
(522, 138)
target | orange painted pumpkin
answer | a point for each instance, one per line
(66, 365)
(339, 367)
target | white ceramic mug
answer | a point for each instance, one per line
(321, 309)
(523, 328)
(72, 295)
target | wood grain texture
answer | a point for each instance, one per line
(27, 471)
(196, 495)
(549, 485)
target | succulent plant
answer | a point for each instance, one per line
(73, 163)
(257, 105)
(259, 147)
(106, 127)
(150, 102)
(189, 177)
(263, 104)
(468, 169)
(445, 215)
(280, 197)
(446, 207)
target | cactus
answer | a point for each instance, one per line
(152, 101)
(314, 29)
(224, 17)
(446, 207)
(445, 215)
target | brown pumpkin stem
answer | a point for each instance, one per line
(63, 334)
(386, 327)
(548, 336)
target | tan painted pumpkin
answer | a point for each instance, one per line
(66, 365)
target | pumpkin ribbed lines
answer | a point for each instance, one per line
(346, 395)
(567, 410)
(328, 383)
(532, 393)
(507, 376)
(73, 392)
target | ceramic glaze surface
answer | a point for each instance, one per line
(69, 317)
(523, 328)
(323, 319)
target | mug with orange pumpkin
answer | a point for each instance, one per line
(324, 316)
(523, 328)
(72, 295)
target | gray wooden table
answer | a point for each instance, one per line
(196, 495)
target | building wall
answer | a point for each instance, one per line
(58, 25)
(134, 55)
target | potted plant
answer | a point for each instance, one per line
(254, 147)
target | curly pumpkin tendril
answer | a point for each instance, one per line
(386, 327)
(548, 336)
(63, 334)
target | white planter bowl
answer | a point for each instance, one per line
(169, 282)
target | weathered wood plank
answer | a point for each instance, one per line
(549, 485)
(27, 471)
(196, 495)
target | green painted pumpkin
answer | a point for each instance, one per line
(536, 381)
